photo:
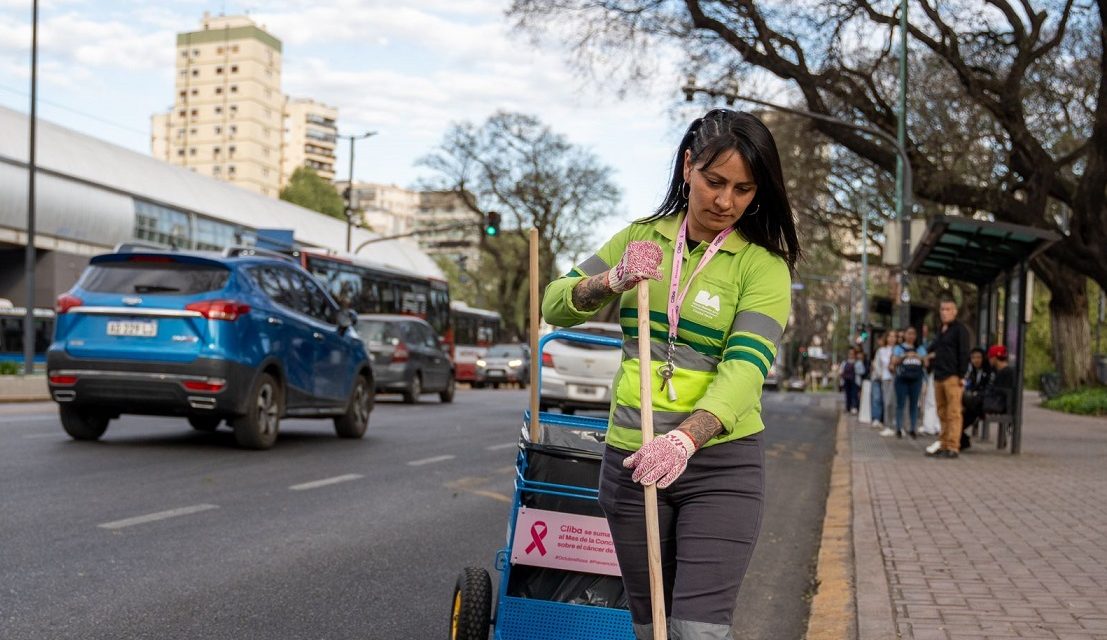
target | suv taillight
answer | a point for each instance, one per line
(229, 310)
(547, 360)
(66, 302)
(401, 354)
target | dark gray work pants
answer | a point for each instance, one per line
(709, 521)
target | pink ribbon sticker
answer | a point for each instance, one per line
(536, 537)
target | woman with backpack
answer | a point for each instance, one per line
(909, 364)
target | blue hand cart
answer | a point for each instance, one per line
(557, 474)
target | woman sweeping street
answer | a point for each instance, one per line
(718, 252)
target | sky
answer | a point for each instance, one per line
(404, 69)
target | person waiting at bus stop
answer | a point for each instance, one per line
(721, 248)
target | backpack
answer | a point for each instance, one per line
(911, 367)
(847, 371)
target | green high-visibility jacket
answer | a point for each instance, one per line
(730, 323)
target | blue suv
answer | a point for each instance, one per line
(245, 336)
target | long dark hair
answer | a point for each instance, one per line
(720, 130)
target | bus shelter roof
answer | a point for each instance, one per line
(975, 251)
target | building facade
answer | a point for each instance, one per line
(309, 134)
(227, 115)
(460, 241)
(385, 209)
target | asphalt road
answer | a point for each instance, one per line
(158, 531)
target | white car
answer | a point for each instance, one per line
(579, 376)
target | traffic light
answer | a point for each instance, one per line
(492, 224)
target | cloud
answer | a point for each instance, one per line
(90, 43)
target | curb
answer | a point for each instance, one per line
(834, 607)
(23, 389)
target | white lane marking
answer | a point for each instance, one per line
(18, 419)
(419, 463)
(324, 482)
(31, 436)
(506, 445)
(154, 517)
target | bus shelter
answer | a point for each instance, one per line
(995, 257)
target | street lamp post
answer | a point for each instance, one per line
(905, 185)
(29, 255)
(350, 186)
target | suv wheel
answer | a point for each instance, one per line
(83, 425)
(258, 428)
(356, 419)
(414, 390)
(204, 423)
(447, 394)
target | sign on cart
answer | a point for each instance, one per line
(563, 541)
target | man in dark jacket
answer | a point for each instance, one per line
(950, 358)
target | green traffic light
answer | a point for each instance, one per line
(490, 230)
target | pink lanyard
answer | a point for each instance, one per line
(676, 297)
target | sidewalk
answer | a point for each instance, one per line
(986, 546)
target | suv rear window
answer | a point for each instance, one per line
(169, 278)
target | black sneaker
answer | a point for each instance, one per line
(899, 435)
(914, 436)
(946, 453)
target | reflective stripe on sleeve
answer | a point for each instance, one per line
(759, 324)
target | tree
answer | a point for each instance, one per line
(1008, 118)
(308, 190)
(515, 165)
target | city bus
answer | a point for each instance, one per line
(11, 332)
(474, 331)
(368, 287)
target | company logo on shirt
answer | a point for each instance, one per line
(706, 304)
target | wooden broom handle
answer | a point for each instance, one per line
(653, 533)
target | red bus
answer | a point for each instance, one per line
(368, 287)
(474, 331)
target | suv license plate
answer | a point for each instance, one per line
(133, 328)
(495, 373)
(584, 390)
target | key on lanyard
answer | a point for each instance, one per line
(666, 372)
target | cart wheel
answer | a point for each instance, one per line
(471, 613)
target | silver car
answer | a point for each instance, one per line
(503, 364)
(579, 376)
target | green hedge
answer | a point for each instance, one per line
(10, 368)
(1090, 401)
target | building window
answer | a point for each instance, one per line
(162, 225)
(230, 169)
(192, 151)
(192, 132)
(264, 172)
(218, 110)
(215, 151)
(234, 108)
(218, 130)
(184, 53)
(233, 129)
(234, 68)
(234, 88)
(213, 235)
(234, 48)
(183, 73)
(180, 152)
(182, 93)
(216, 170)
(218, 90)
(183, 113)
(219, 51)
(195, 73)
(195, 53)
(218, 70)
(230, 150)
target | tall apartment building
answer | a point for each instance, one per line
(227, 116)
(310, 131)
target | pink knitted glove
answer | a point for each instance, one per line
(662, 460)
(641, 261)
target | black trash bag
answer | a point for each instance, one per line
(560, 466)
(572, 587)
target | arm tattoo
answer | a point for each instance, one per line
(701, 426)
(592, 293)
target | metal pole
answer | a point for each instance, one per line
(29, 253)
(865, 270)
(903, 173)
(1099, 321)
(350, 199)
